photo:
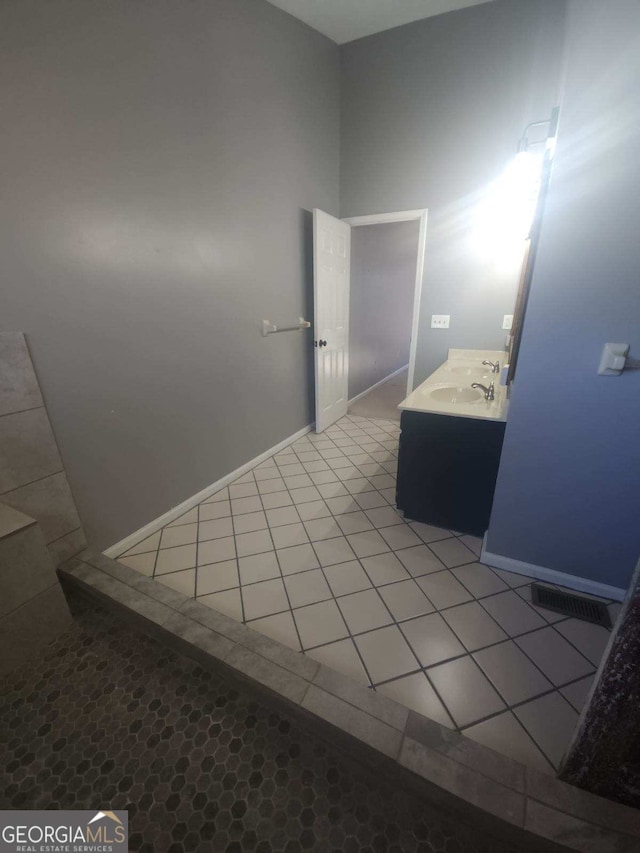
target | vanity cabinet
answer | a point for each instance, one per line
(447, 469)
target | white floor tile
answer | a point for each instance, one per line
(590, 639)
(254, 543)
(431, 639)
(370, 500)
(184, 582)
(313, 509)
(143, 563)
(405, 600)
(291, 469)
(512, 579)
(288, 535)
(176, 559)
(242, 505)
(386, 653)
(264, 598)
(216, 577)
(354, 522)
(219, 509)
(280, 628)
(249, 522)
(297, 481)
(443, 589)
(473, 543)
(577, 692)
(419, 560)
(551, 721)
(282, 515)
(512, 674)
(368, 543)
(320, 478)
(384, 516)
(258, 567)
(151, 543)
(243, 490)
(220, 495)
(512, 614)
(390, 495)
(320, 623)
(338, 506)
(305, 494)
(322, 528)
(332, 551)
(473, 625)
(332, 490)
(227, 602)
(559, 661)
(364, 611)
(189, 517)
(384, 569)
(400, 536)
(300, 558)
(343, 657)
(505, 734)
(415, 692)
(216, 551)
(273, 484)
(479, 580)
(429, 533)
(452, 552)
(465, 691)
(215, 529)
(276, 499)
(347, 577)
(185, 534)
(307, 588)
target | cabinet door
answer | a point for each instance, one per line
(447, 469)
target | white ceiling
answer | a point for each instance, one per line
(345, 20)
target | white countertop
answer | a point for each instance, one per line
(445, 392)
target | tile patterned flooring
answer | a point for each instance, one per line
(309, 549)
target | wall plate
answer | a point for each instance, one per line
(440, 321)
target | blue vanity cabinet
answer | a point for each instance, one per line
(447, 470)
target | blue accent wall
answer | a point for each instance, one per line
(568, 491)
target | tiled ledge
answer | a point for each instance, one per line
(534, 810)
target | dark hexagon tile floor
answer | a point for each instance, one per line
(109, 718)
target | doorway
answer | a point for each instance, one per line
(387, 265)
(359, 343)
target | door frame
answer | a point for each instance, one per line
(404, 216)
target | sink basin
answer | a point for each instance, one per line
(476, 371)
(456, 394)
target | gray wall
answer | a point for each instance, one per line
(431, 115)
(158, 157)
(383, 277)
(568, 492)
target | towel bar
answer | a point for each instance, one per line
(269, 328)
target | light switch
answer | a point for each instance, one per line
(613, 359)
(440, 321)
(507, 321)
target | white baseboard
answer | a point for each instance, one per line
(185, 506)
(377, 384)
(541, 573)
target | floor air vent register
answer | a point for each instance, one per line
(571, 604)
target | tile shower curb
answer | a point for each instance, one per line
(533, 809)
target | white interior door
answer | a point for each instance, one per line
(331, 275)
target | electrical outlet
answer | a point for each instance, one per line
(440, 321)
(507, 321)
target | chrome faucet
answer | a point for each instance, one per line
(489, 393)
(494, 365)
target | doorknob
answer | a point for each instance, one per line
(321, 343)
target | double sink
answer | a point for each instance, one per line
(461, 391)
(449, 391)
